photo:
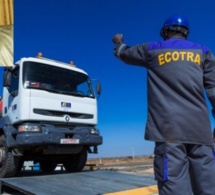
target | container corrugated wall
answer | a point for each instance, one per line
(6, 12)
(6, 32)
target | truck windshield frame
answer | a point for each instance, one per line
(55, 79)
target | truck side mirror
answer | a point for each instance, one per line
(98, 88)
(7, 78)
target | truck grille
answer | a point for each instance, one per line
(62, 114)
(71, 127)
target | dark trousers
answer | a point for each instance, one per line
(184, 169)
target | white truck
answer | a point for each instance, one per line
(49, 116)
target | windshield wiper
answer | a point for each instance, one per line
(73, 93)
(49, 90)
(78, 94)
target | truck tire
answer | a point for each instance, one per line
(8, 163)
(76, 162)
(48, 166)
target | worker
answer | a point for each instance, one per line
(178, 120)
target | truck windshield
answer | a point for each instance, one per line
(56, 80)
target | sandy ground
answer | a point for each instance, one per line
(121, 160)
(138, 165)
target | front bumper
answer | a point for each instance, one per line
(50, 135)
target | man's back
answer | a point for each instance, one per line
(177, 75)
(176, 92)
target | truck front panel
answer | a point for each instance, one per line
(54, 135)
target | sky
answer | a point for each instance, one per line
(82, 31)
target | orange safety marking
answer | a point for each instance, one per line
(150, 190)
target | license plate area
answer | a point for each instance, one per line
(69, 141)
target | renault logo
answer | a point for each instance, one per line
(67, 118)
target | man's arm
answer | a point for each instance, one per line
(136, 55)
(209, 78)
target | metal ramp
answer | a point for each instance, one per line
(83, 183)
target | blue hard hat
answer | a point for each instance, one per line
(176, 20)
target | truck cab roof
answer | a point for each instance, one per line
(51, 62)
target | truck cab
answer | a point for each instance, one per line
(49, 115)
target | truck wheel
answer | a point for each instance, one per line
(76, 162)
(48, 166)
(8, 163)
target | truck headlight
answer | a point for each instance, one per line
(29, 128)
(94, 131)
